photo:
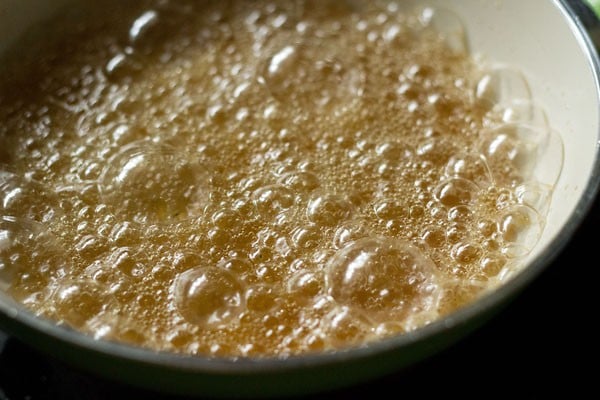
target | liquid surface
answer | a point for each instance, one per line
(261, 178)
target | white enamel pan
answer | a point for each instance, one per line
(548, 42)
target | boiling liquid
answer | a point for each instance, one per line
(261, 178)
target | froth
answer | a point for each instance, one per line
(265, 178)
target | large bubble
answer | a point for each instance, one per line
(384, 277)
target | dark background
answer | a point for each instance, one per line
(543, 344)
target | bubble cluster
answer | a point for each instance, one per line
(264, 178)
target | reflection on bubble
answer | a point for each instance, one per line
(142, 24)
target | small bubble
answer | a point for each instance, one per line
(122, 66)
(349, 233)
(434, 237)
(125, 260)
(394, 152)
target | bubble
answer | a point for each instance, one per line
(466, 253)
(300, 181)
(456, 192)
(492, 264)
(533, 153)
(124, 234)
(306, 238)
(536, 195)
(396, 153)
(208, 296)
(328, 209)
(127, 261)
(261, 298)
(78, 301)
(26, 198)
(470, 166)
(345, 326)
(225, 219)
(437, 151)
(385, 277)
(154, 184)
(525, 112)
(456, 295)
(306, 284)
(89, 247)
(457, 232)
(502, 85)
(309, 77)
(349, 233)
(23, 245)
(272, 199)
(434, 237)
(520, 227)
(100, 273)
(460, 214)
(390, 209)
(448, 25)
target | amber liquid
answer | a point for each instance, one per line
(252, 178)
